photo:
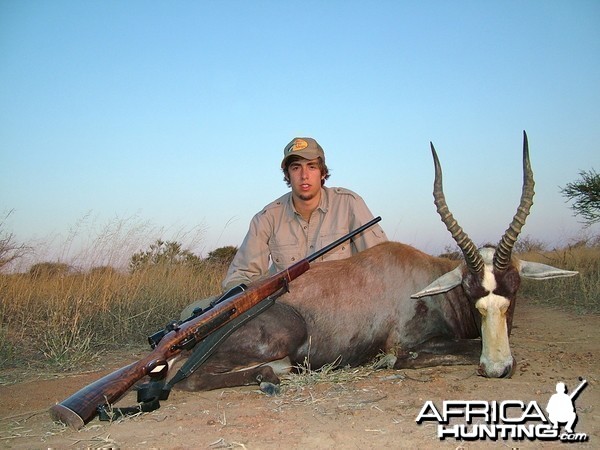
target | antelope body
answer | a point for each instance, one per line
(419, 309)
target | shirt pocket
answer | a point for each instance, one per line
(342, 251)
(284, 253)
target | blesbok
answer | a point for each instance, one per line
(419, 309)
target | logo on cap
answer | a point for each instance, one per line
(299, 144)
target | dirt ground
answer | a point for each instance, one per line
(359, 409)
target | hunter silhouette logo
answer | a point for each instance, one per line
(472, 420)
(561, 406)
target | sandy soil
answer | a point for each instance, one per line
(358, 409)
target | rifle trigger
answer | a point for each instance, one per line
(187, 344)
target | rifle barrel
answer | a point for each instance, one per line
(350, 235)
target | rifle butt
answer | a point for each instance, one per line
(81, 407)
(60, 413)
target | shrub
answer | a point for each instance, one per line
(49, 269)
(164, 254)
(222, 255)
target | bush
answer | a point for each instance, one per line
(49, 269)
(10, 249)
(164, 254)
(222, 255)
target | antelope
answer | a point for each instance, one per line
(419, 310)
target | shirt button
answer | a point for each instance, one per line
(293, 259)
(305, 227)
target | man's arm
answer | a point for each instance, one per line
(361, 215)
(251, 261)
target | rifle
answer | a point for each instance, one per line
(81, 407)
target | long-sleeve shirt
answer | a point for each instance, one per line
(278, 236)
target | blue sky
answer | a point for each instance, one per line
(175, 114)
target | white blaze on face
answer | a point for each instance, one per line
(496, 358)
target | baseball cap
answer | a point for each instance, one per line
(304, 147)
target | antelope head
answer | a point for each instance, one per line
(490, 277)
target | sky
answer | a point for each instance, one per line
(169, 119)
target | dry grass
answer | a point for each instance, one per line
(580, 293)
(63, 321)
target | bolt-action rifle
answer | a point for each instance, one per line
(84, 405)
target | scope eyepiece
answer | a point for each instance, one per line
(155, 338)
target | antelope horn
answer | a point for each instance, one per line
(472, 256)
(504, 248)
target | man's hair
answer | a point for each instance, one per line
(322, 167)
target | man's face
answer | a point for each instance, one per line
(305, 178)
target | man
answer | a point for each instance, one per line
(300, 222)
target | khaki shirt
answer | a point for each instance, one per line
(279, 237)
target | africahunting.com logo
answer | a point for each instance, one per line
(472, 420)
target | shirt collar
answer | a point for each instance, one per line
(323, 204)
(324, 201)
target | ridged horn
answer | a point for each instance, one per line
(504, 248)
(472, 256)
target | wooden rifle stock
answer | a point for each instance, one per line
(81, 407)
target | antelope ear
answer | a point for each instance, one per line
(539, 271)
(442, 284)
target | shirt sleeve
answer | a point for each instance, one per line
(251, 261)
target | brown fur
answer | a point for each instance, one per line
(348, 311)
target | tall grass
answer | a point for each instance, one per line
(580, 293)
(63, 320)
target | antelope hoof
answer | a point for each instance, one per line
(269, 388)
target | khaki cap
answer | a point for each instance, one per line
(304, 147)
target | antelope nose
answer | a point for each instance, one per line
(497, 371)
(510, 369)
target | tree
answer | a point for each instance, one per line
(50, 270)
(164, 254)
(527, 244)
(585, 194)
(10, 249)
(222, 255)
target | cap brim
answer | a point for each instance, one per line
(306, 154)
